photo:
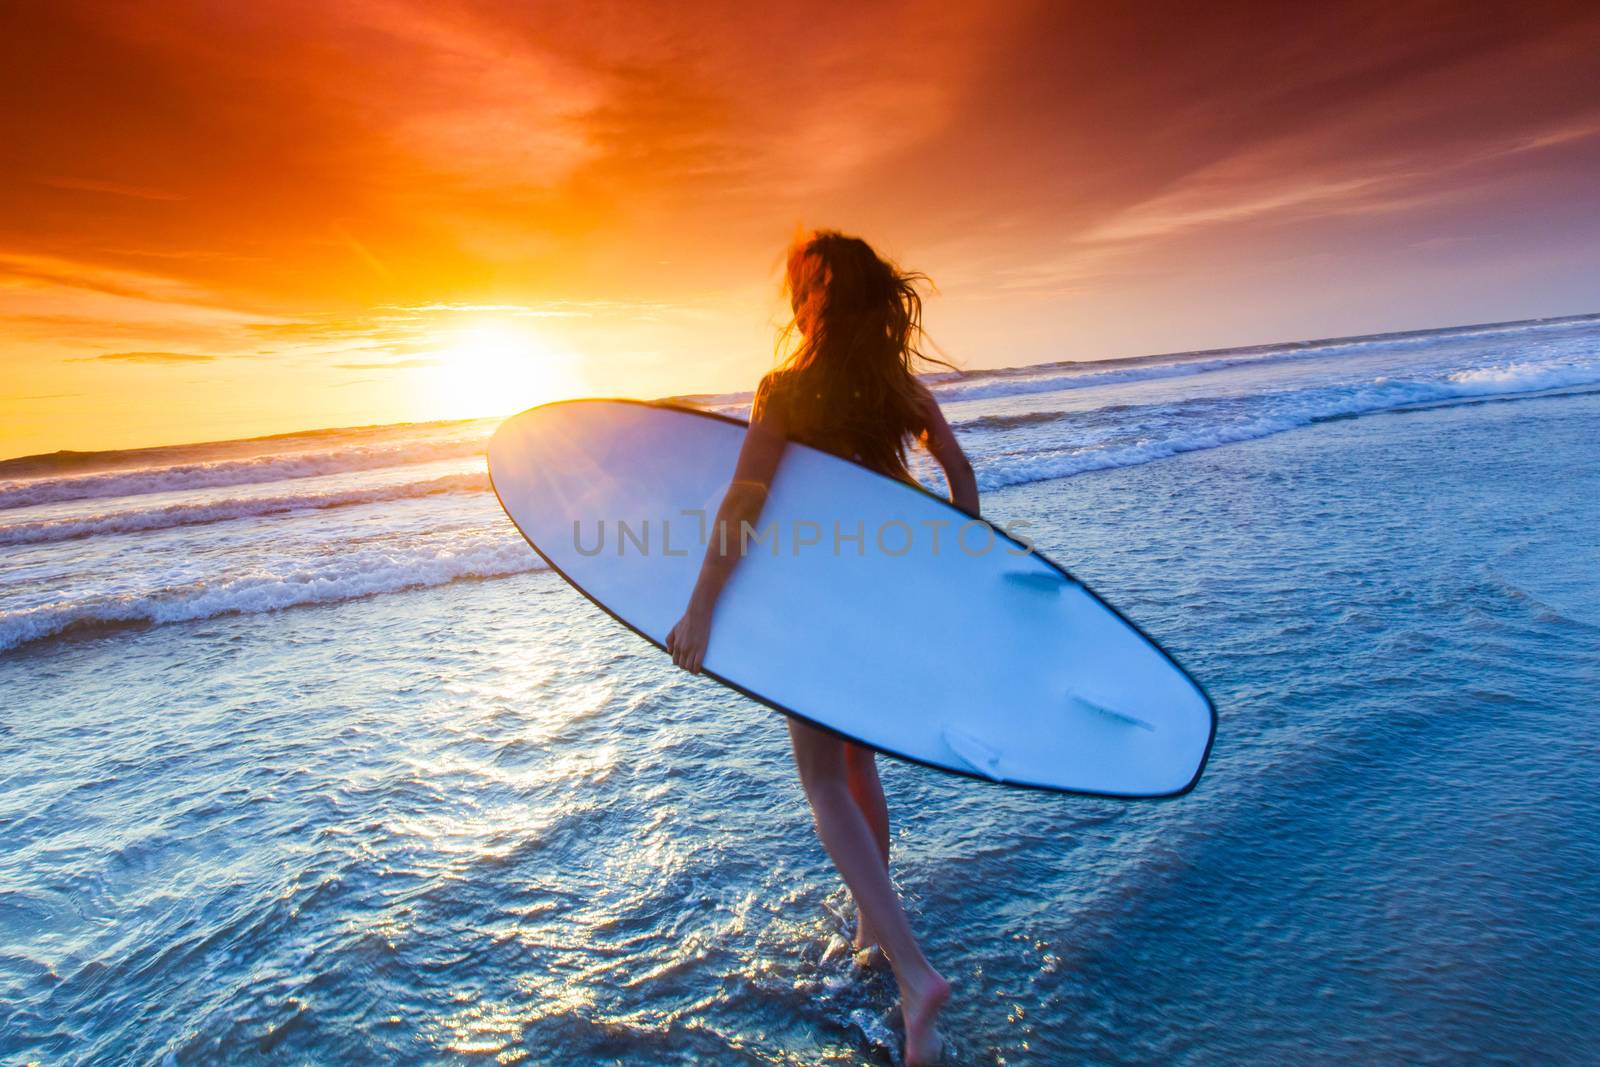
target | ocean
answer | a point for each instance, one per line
(305, 758)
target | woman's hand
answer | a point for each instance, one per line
(687, 641)
(763, 447)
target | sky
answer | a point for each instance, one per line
(222, 219)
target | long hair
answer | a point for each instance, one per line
(855, 344)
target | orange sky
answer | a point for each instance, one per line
(220, 219)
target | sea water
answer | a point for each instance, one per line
(304, 757)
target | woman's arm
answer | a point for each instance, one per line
(758, 462)
(941, 441)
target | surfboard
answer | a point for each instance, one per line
(863, 605)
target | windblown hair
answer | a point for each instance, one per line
(855, 344)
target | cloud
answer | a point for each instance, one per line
(550, 309)
(520, 310)
(1293, 179)
(43, 269)
(396, 364)
(146, 357)
(338, 185)
(95, 185)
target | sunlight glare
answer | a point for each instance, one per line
(495, 367)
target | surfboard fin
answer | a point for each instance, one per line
(1043, 581)
(1121, 716)
(974, 753)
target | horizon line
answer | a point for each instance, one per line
(86, 454)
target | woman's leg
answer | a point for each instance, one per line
(850, 841)
(862, 767)
(862, 771)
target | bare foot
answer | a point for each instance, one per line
(871, 958)
(920, 1008)
(866, 936)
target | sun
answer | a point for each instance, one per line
(495, 367)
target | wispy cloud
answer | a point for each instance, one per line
(550, 309)
(110, 188)
(1215, 200)
(1296, 178)
(146, 357)
(42, 269)
(393, 364)
(374, 184)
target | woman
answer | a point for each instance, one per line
(847, 388)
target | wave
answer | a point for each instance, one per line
(1085, 377)
(991, 385)
(1162, 431)
(326, 580)
(69, 462)
(1522, 378)
(61, 477)
(1429, 338)
(1025, 381)
(957, 386)
(1069, 444)
(254, 470)
(176, 515)
(1025, 419)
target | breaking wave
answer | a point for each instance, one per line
(250, 567)
(324, 580)
(176, 515)
(1160, 431)
(253, 470)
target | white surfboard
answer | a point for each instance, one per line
(863, 605)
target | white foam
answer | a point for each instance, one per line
(1211, 422)
(253, 470)
(989, 388)
(1009, 383)
(1522, 378)
(956, 386)
(251, 568)
(950, 387)
(176, 515)
(348, 575)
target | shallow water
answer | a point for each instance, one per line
(474, 821)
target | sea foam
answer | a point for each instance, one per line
(253, 470)
(326, 579)
(272, 555)
(172, 516)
